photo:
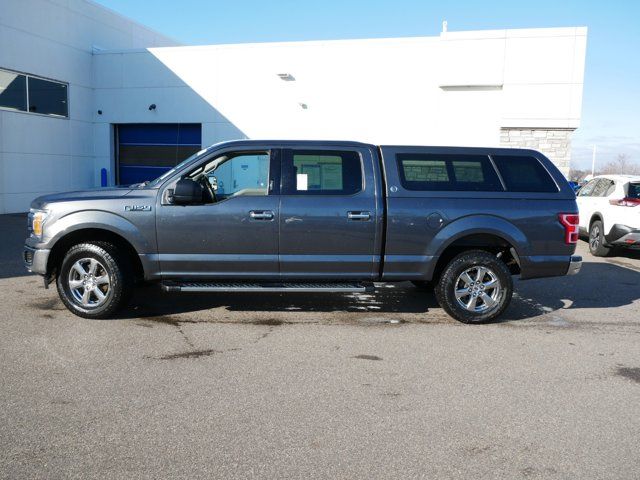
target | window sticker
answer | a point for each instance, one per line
(301, 181)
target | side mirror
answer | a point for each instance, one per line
(187, 192)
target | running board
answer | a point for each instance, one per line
(173, 286)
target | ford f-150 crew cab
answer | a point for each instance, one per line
(294, 216)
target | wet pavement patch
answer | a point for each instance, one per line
(270, 322)
(367, 357)
(380, 321)
(47, 304)
(630, 373)
(167, 320)
(189, 354)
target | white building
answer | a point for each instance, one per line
(128, 100)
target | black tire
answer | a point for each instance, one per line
(109, 261)
(483, 310)
(422, 285)
(597, 245)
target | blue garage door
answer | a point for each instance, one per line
(147, 150)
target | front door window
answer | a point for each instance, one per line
(240, 175)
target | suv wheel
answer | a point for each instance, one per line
(596, 240)
(475, 287)
(94, 280)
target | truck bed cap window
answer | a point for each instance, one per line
(522, 173)
(438, 172)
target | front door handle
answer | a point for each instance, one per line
(261, 214)
(358, 215)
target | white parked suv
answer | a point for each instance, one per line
(610, 212)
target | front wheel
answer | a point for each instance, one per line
(475, 287)
(94, 280)
(596, 240)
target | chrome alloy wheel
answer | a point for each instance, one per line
(478, 289)
(594, 237)
(89, 282)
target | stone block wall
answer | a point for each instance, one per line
(555, 143)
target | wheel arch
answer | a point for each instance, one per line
(594, 217)
(92, 235)
(482, 232)
(493, 243)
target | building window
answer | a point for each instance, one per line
(26, 93)
(13, 91)
(48, 98)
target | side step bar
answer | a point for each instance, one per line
(222, 286)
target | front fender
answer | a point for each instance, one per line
(97, 219)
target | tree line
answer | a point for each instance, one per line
(622, 165)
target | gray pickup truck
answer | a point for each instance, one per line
(300, 216)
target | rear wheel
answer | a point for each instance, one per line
(475, 287)
(94, 280)
(596, 240)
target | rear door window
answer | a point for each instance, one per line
(634, 190)
(438, 172)
(321, 172)
(524, 174)
(602, 188)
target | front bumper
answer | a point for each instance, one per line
(575, 264)
(35, 259)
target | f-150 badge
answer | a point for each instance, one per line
(137, 208)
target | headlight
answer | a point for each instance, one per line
(36, 222)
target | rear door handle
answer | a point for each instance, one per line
(358, 215)
(261, 214)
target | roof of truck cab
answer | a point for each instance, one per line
(347, 143)
(310, 143)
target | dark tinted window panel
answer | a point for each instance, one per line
(13, 90)
(159, 134)
(633, 190)
(321, 172)
(48, 98)
(524, 174)
(155, 155)
(443, 172)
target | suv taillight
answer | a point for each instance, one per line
(570, 223)
(626, 202)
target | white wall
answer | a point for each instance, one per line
(456, 89)
(54, 39)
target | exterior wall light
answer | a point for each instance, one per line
(286, 77)
(152, 106)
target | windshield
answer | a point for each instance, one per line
(161, 178)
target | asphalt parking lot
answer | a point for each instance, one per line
(323, 385)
